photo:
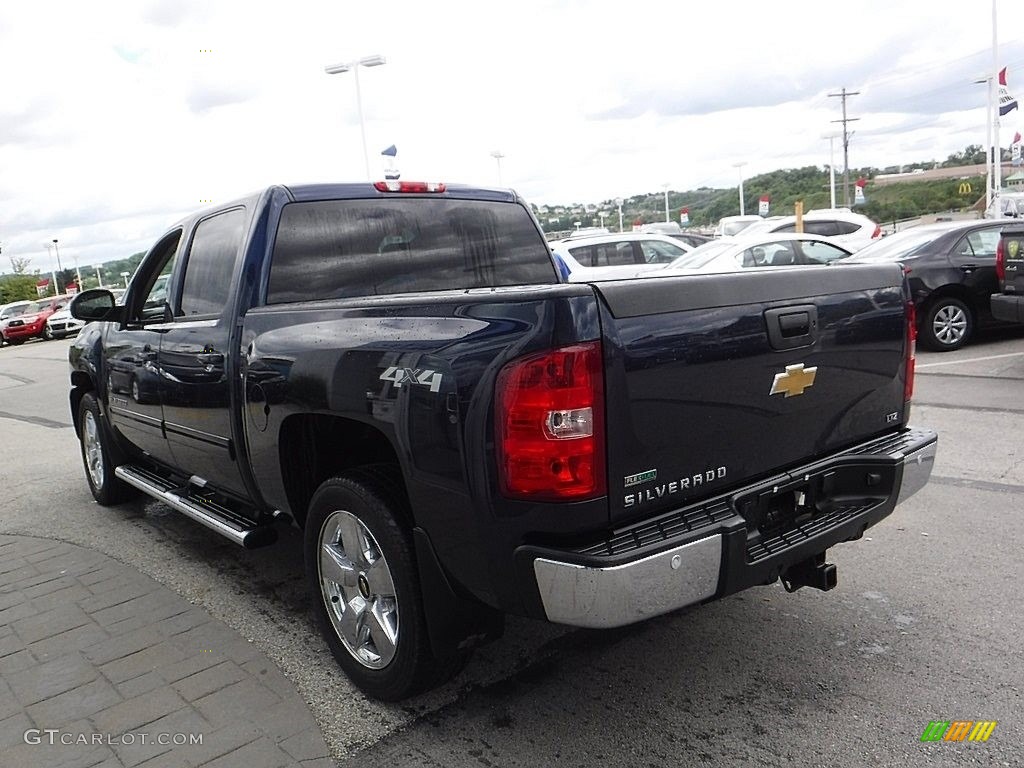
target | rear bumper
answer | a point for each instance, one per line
(722, 546)
(1007, 307)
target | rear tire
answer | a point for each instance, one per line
(47, 333)
(364, 583)
(948, 324)
(98, 456)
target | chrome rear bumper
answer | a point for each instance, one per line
(585, 595)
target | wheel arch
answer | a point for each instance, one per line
(313, 448)
(950, 290)
(81, 383)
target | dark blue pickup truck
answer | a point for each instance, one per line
(396, 369)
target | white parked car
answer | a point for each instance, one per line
(61, 324)
(745, 251)
(730, 226)
(841, 225)
(604, 257)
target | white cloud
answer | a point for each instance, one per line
(117, 118)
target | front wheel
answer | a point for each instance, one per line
(47, 333)
(97, 455)
(948, 325)
(364, 584)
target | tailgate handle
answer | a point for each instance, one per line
(792, 327)
(794, 324)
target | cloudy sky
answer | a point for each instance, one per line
(119, 117)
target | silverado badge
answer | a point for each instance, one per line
(794, 381)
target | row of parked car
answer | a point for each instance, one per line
(47, 319)
(950, 266)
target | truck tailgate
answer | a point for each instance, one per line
(717, 380)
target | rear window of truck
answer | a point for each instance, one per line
(335, 249)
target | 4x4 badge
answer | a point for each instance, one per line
(794, 381)
(426, 377)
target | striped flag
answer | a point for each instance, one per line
(1006, 102)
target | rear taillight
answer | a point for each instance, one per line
(549, 425)
(408, 186)
(877, 233)
(1001, 261)
(908, 382)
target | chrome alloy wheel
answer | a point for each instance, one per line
(358, 590)
(950, 324)
(93, 450)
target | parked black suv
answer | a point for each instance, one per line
(1009, 304)
(951, 268)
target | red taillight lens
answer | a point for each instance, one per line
(408, 186)
(877, 232)
(549, 425)
(1001, 261)
(908, 382)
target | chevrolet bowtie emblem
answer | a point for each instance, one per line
(794, 381)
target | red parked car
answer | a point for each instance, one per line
(32, 322)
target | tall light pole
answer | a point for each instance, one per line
(740, 166)
(987, 81)
(997, 150)
(666, 186)
(496, 154)
(55, 248)
(618, 202)
(53, 272)
(336, 69)
(831, 167)
(99, 277)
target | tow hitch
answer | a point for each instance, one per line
(813, 572)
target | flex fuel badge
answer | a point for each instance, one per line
(640, 477)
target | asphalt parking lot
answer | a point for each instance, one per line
(925, 623)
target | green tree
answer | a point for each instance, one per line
(17, 288)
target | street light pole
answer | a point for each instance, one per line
(666, 185)
(53, 272)
(99, 277)
(831, 168)
(997, 151)
(740, 166)
(367, 61)
(496, 154)
(618, 202)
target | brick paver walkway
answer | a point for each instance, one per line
(120, 670)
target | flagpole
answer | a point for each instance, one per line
(997, 158)
(988, 148)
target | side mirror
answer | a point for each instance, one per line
(94, 304)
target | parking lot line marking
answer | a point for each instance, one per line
(969, 360)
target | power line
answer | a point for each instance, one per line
(846, 143)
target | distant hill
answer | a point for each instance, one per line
(915, 195)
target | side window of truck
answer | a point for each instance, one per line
(211, 263)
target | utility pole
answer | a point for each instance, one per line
(846, 143)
